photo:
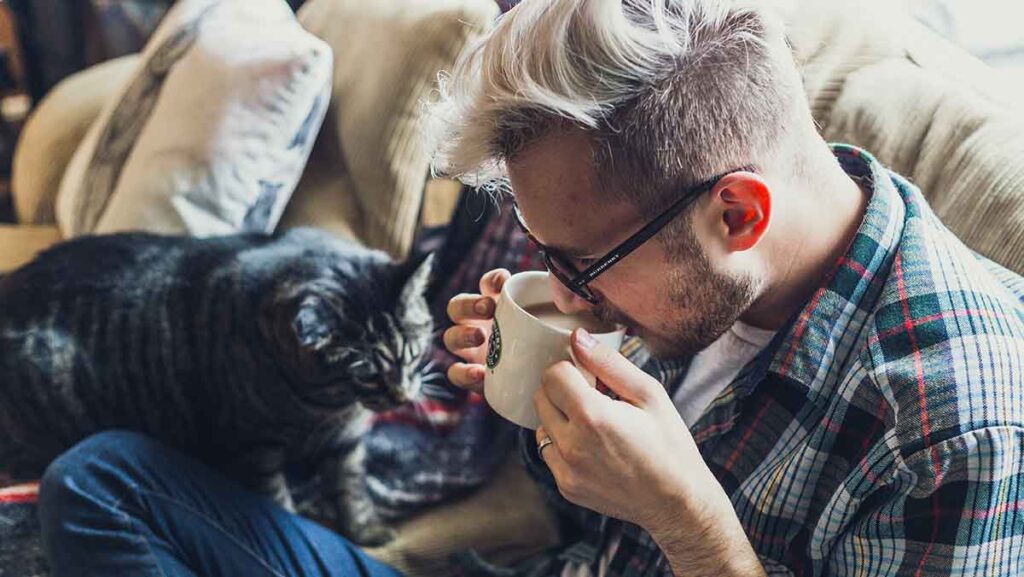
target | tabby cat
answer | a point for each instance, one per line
(247, 352)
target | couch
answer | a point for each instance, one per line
(874, 77)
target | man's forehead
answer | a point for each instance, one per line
(555, 184)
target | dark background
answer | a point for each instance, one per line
(61, 37)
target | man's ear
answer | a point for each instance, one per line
(746, 209)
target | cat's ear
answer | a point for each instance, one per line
(310, 324)
(414, 276)
(299, 326)
(412, 309)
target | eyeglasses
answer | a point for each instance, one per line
(578, 281)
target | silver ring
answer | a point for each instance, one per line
(543, 444)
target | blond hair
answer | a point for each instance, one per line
(672, 91)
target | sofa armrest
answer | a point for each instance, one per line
(21, 243)
(53, 132)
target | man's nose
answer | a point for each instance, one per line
(566, 300)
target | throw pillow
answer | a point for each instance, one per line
(389, 53)
(211, 134)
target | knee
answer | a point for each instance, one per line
(94, 466)
(99, 451)
(83, 492)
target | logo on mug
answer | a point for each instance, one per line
(494, 346)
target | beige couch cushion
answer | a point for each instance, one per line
(387, 57)
(966, 153)
(52, 134)
(325, 197)
(947, 122)
(831, 40)
(21, 243)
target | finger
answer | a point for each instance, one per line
(614, 370)
(473, 356)
(569, 391)
(467, 376)
(469, 307)
(550, 450)
(463, 337)
(551, 454)
(553, 421)
(540, 433)
(491, 283)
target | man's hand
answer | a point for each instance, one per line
(472, 314)
(634, 459)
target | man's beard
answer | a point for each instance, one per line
(709, 301)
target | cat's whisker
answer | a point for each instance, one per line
(428, 367)
(439, 392)
(433, 378)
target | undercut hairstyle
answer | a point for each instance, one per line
(671, 92)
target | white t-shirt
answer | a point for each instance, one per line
(710, 372)
(712, 369)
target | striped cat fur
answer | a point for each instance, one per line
(247, 352)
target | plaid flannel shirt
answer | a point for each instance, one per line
(882, 431)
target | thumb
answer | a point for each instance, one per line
(614, 370)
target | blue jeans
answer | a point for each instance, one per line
(123, 504)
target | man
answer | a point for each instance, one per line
(852, 397)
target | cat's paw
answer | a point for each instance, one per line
(284, 500)
(362, 525)
(276, 489)
(371, 534)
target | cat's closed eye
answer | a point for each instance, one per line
(364, 371)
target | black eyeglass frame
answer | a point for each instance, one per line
(579, 281)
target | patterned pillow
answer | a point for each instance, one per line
(211, 134)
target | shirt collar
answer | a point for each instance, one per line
(837, 309)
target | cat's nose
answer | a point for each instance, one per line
(396, 395)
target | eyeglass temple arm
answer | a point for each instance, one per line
(631, 243)
(652, 228)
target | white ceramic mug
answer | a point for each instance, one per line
(522, 347)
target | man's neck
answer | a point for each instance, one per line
(813, 240)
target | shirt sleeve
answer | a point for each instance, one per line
(952, 508)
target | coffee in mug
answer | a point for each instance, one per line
(549, 314)
(528, 335)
